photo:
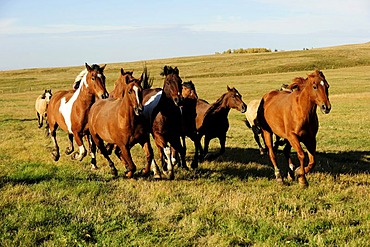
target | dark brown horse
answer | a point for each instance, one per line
(212, 119)
(292, 116)
(161, 109)
(69, 109)
(122, 125)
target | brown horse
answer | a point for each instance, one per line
(212, 121)
(123, 126)
(161, 110)
(69, 109)
(292, 116)
(123, 80)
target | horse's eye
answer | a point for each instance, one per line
(314, 87)
(129, 91)
(93, 78)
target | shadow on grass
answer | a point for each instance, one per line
(348, 162)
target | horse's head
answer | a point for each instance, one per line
(172, 84)
(319, 90)
(234, 100)
(95, 80)
(134, 94)
(47, 95)
(120, 84)
(188, 90)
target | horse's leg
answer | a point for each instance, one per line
(194, 163)
(100, 143)
(267, 137)
(81, 148)
(150, 161)
(222, 140)
(168, 170)
(300, 171)
(129, 163)
(70, 147)
(93, 156)
(256, 133)
(176, 144)
(206, 145)
(53, 132)
(286, 152)
(39, 120)
(311, 150)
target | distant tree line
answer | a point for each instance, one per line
(242, 50)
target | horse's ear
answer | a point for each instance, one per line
(165, 70)
(228, 88)
(122, 71)
(176, 70)
(88, 67)
(103, 67)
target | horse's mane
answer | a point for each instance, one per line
(190, 85)
(168, 70)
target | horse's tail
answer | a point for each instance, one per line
(147, 81)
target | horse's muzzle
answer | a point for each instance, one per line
(104, 95)
(244, 108)
(325, 108)
(138, 110)
(178, 100)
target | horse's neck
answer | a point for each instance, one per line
(126, 110)
(306, 105)
(166, 105)
(219, 108)
(84, 98)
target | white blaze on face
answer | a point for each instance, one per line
(322, 83)
(65, 107)
(136, 89)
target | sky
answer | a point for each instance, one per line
(45, 34)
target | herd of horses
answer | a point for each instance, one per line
(134, 111)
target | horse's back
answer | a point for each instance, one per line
(279, 110)
(201, 109)
(40, 104)
(251, 113)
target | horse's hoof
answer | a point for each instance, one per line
(129, 174)
(69, 151)
(56, 155)
(302, 182)
(169, 174)
(77, 156)
(114, 172)
(157, 176)
(194, 165)
(145, 173)
(40, 125)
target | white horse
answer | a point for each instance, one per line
(41, 106)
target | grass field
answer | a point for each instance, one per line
(231, 201)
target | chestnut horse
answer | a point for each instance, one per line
(212, 121)
(161, 110)
(120, 84)
(69, 109)
(123, 126)
(292, 116)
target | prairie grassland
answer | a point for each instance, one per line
(231, 201)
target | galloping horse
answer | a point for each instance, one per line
(121, 83)
(212, 121)
(161, 109)
(69, 109)
(123, 126)
(41, 106)
(292, 116)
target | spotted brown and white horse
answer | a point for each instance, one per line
(69, 109)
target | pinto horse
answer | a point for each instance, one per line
(69, 109)
(162, 113)
(293, 117)
(212, 121)
(123, 126)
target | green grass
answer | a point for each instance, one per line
(231, 201)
